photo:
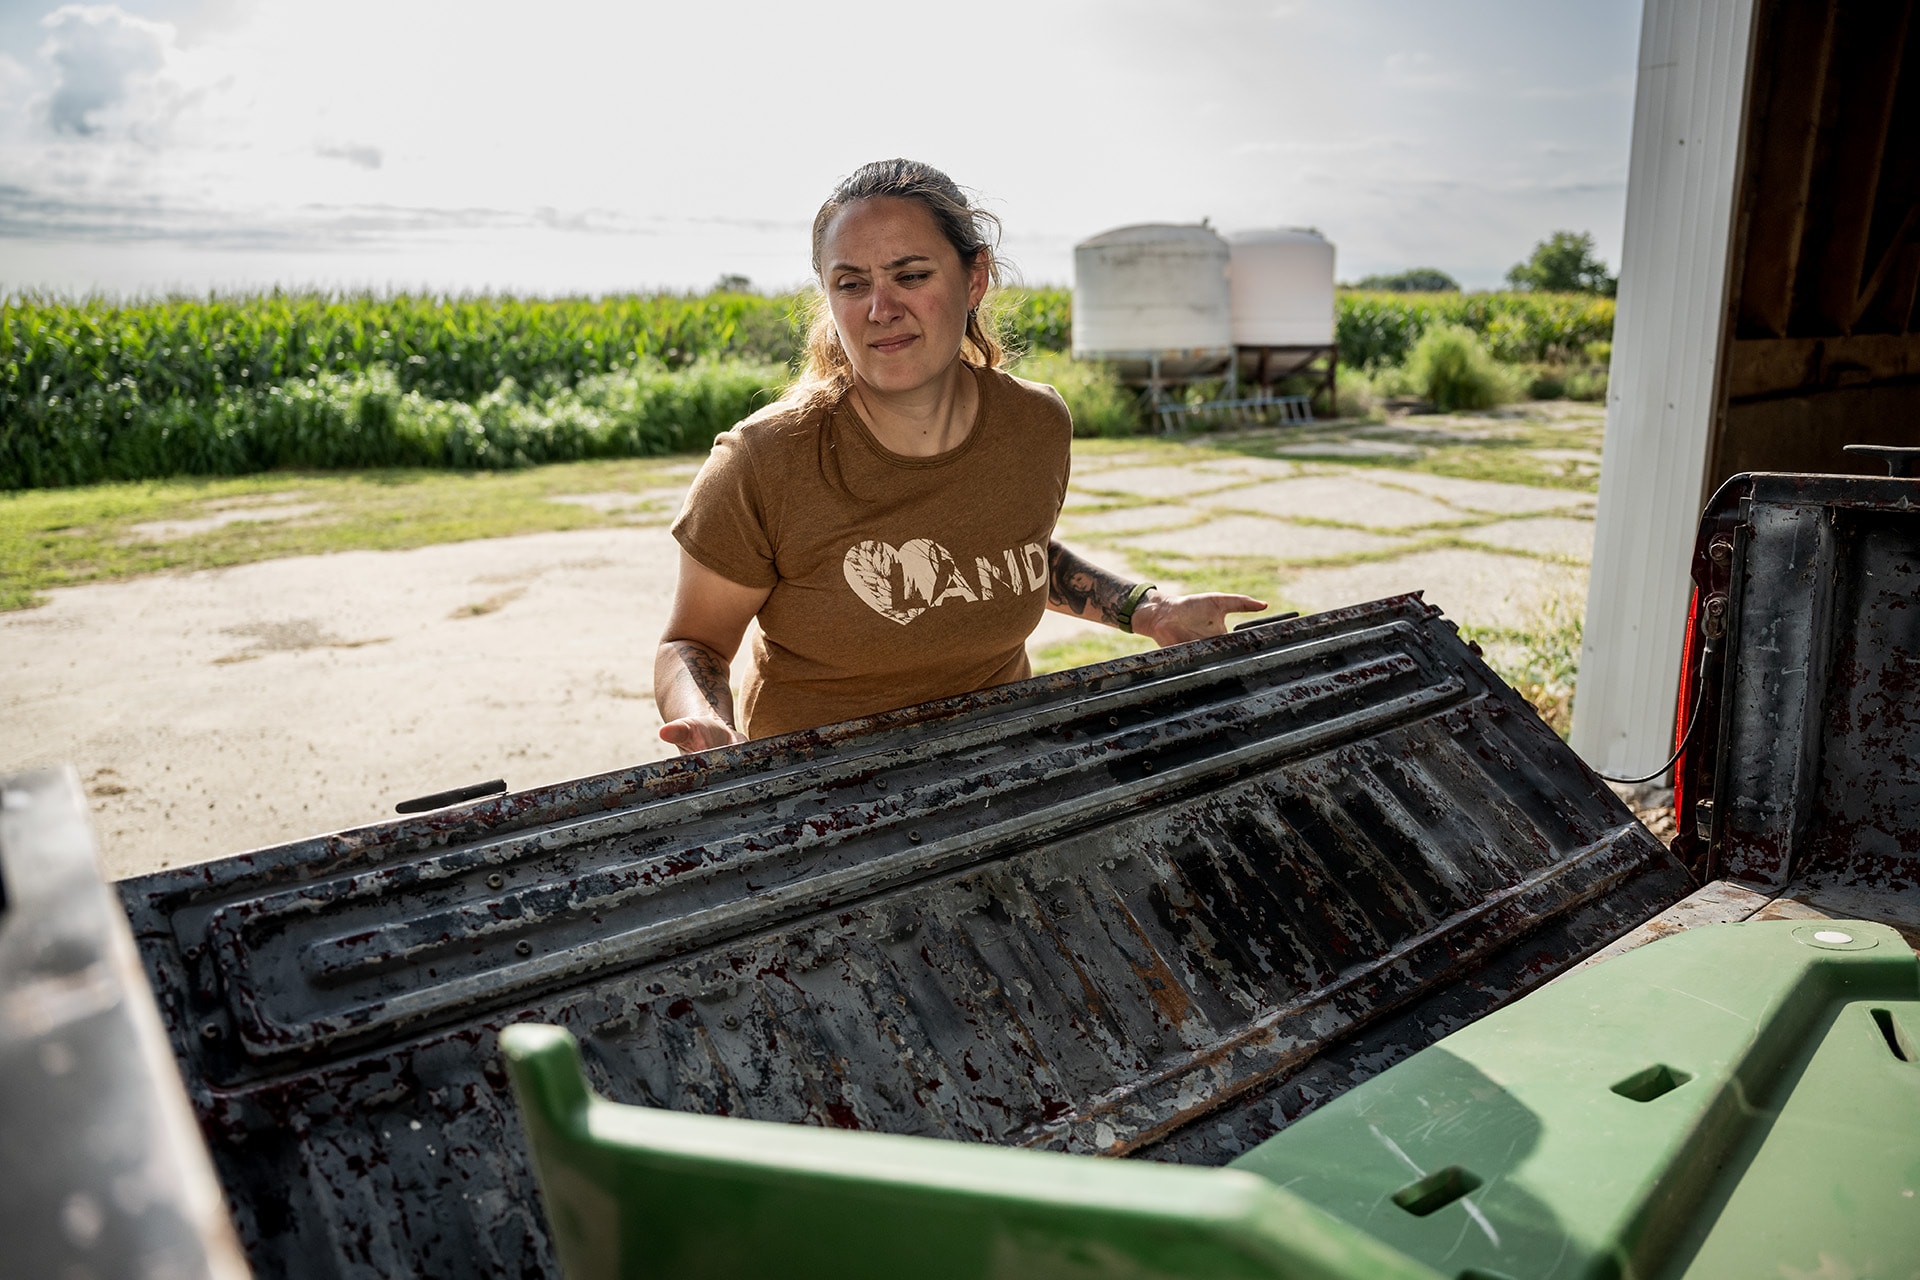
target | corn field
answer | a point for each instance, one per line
(96, 390)
(1376, 330)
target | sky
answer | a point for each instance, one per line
(598, 146)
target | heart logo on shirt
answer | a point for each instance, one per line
(898, 582)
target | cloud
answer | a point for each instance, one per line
(1421, 71)
(99, 55)
(29, 213)
(284, 126)
(356, 154)
(1323, 146)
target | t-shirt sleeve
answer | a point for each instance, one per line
(1066, 448)
(1050, 417)
(1062, 442)
(723, 524)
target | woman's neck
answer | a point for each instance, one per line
(926, 421)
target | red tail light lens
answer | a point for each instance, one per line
(1683, 704)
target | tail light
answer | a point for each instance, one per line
(1683, 706)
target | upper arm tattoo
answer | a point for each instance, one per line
(1083, 588)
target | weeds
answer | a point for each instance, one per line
(1587, 384)
(1099, 404)
(1541, 661)
(1357, 396)
(1558, 381)
(1450, 369)
(1379, 329)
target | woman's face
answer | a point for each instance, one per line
(898, 292)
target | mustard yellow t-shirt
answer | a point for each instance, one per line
(894, 579)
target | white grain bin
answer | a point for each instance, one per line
(1281, 282)
(1155, 293)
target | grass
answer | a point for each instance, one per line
(67, 537)
(64, 537)
(1085, 650)
(1542, 661)
(1505, 450)
(1499, 462)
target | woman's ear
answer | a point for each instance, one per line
(979, 275)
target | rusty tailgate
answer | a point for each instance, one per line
(1157, 907)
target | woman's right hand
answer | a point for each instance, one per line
(700, 733)
(692, 664)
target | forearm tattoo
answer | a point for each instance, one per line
(1082, 588)
(703, 670)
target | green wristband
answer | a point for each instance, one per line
(1124, 614)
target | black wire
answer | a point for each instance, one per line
(1693, 722)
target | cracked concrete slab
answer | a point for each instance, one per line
(1350, 449)
(1258, 536)
(1249, 466)
(1153, 482)
(1129, 519)
(1491, 496)
(1336, 497)
(1481, 588)
(243, 706)
(1578, 464)
(1547, 535)
(1088, 462)
(172, 530)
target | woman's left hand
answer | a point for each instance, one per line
(1171, 619)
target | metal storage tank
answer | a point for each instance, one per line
(1281, 288)
(1152, 299)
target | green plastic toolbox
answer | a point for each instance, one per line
(1733, 1101)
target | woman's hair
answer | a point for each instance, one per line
(971, 231)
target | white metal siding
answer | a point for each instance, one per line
(1694, 65)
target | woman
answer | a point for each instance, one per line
(890, 520)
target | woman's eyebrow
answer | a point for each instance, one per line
(885, 266)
